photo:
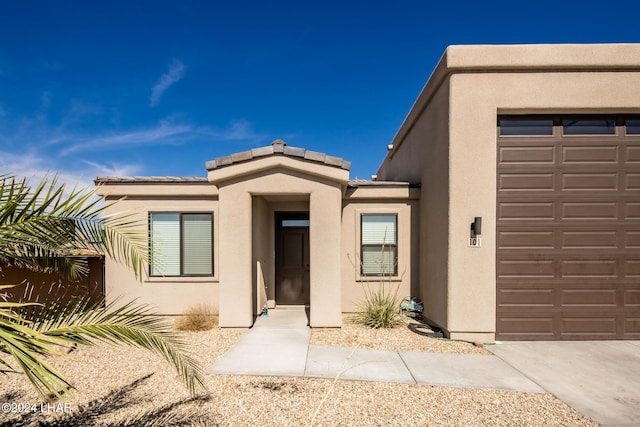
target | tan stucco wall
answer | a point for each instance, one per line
(423, 157)
(284, 179)
(244, 209)
(365, 200)
(260, 248)
(549, 79)
(169, 295)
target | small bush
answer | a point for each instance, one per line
(201, 317)
(380, 308)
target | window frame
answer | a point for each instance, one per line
(181, 243)
(395, 245)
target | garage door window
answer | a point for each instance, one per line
(589, 127)
(519, 127)
(633, 127)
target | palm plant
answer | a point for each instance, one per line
(47, 229)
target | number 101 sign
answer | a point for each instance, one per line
(475, 242)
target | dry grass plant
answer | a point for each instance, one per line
(201, 317)
(381, 305)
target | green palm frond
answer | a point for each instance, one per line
(27, 346)
(129, 324)
(47, 228)
(50, 332)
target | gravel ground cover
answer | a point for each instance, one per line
(400, 338)
(118, 385)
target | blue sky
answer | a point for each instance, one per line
(158, 88)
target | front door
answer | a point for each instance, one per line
(292, 258)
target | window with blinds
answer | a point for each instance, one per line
(379, 245)
(181, 244)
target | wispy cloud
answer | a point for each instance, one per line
(240, 130)
(113, 169)
(35, 166)
(165, 133)
(168, 79)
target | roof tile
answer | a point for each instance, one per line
(278, 147)
(242, 156)
(315, 156)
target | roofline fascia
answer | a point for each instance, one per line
(456, 59)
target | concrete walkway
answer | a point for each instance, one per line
(599, 379)
(279, 346)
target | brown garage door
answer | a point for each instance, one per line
(568, 228)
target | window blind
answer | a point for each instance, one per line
(165, 244)
(196, 244)
(378, 229)
(378, 260)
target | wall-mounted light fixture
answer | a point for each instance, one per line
(476, 226)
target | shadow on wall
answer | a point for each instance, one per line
(51, 287)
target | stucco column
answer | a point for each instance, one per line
(236, 285)
(325, 209)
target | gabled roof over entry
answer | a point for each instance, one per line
(278, 148)
(278, 156)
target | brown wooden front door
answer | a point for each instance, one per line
(292, 258)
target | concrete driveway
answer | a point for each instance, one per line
(600, 379)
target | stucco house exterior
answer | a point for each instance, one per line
(508, 202)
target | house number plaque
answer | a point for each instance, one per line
(475, 242)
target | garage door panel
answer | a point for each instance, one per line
(632, 154)
(632, 240)
(526, 210)
(528, 239)
(632, 327)
(590, 210)
(632, 298)
(632, 210)
(527, 182)
(567, 325)
(568, 237)
(589, 268)
(590, 181)
(527, 155)
(632, 268)
(587, 239)
(590, 154)
(533, 296)
(590, 327)
(526, 268)
(516, 326)
(632, 181)
(590, 298)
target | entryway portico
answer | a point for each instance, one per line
(254, 188)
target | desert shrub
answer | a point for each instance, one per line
(380, 308)
(201, 317)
